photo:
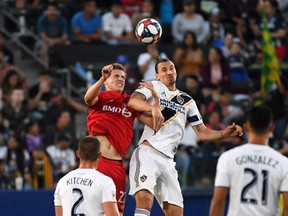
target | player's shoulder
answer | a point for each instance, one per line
(185, 95)
(104, 179)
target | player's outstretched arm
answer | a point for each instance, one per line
(218, 201)
(110, 209)
(91, 96)
(205, 134)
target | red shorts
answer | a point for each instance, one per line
(115, 170)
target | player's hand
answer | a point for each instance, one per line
(158, 118)
(232, 131)
(150, 86)
(106, 71)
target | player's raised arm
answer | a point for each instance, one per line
(205, 134)
(91, 95)
(138, 103)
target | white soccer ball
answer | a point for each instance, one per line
(148, 31)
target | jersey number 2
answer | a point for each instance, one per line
(77, 203)
(252, 183)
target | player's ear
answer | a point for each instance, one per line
(246, 126)
(271, 127)
(77, 153)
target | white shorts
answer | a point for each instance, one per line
(154, 171)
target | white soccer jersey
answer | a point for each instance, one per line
(256, 175)
(82, 192)
(177, 107)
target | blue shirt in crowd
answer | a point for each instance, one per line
(52, 29)
(86, 27)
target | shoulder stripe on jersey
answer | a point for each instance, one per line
(191, 119)
(137, 172)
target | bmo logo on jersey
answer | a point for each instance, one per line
(125, 112)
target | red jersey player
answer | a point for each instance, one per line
(111, 121)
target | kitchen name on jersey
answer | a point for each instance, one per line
(257, 159)
(79, 181)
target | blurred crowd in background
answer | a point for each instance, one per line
(218, 45)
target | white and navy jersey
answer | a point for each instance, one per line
(256, 175)
(83, 191)
(177, 107)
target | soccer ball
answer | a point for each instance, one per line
(148, 31)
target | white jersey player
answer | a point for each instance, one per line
(85, 191)
(255, 173)
(152, 169)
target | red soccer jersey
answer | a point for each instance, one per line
(110, 117)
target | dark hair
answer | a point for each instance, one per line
(220, 54)
(259, 117)
(160, 60)
(195, 44)
(53, 4)
(86, 2)
(89, 148)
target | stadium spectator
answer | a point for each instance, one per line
(215, 73)
(16, 112)
(240, 80)
(117, 26)
(237, 12)
(100, 198)
(226, 48)
(63, 157)
(215, 28)
(5, 67)
(9, 57)
(32, 136)
(147, 11)
(39, 95)
(52, 28)
(42, 169)
(188, 20)
(188, 58)
(61, 126)
(131, 7)
(276, 25)
(12, 81)
(86, 25)
(59, 102)
(236, 171)
(146, 61)
(17, 161)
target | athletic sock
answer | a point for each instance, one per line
(141, 212)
